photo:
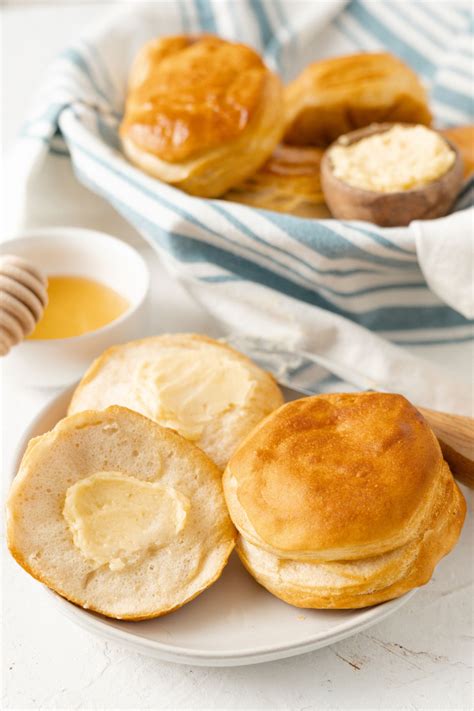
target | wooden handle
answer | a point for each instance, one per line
(23, 297)
(455, 434)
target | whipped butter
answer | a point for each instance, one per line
(115, 518)
(184, 390)
(402, 158)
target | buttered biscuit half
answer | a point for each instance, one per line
(119, 515)
(206, 391)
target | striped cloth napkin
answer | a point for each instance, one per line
(348, 290)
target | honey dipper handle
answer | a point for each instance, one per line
(455, 434)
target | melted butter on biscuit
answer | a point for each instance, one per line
(114, 517)
(184, 390)
(402, 158)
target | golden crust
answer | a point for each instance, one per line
(201, 113)
(288, 182)
(28, 494)
(340, 476)
(334, 96)
(463, 139)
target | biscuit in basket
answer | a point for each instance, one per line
(343, 500)
(208, 392)
(119, 515)
(201, 113)
(337, 95)
(288, 182)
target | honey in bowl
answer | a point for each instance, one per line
(77, 305)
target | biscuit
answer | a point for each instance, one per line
(337, 95)
(201, 113)
(119, 515)
(342, 500)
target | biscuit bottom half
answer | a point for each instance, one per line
(119, 515)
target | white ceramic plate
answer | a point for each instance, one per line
(234, 622)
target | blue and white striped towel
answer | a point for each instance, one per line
(255, 270)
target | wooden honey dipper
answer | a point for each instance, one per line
(23, 298)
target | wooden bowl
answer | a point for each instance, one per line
(389, 209)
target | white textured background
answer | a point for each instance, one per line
(421, 658)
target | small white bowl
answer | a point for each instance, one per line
(75, 251)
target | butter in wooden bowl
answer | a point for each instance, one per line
(391, 174)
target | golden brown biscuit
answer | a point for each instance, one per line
(463, 139)
(201, 113)
(343, 500)
(288, 182)
(337, 95)
(119, 515)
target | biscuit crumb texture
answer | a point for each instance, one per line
(191, 547)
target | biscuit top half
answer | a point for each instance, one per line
(342, 473)
(190, 94)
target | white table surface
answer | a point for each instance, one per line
(419, 659)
